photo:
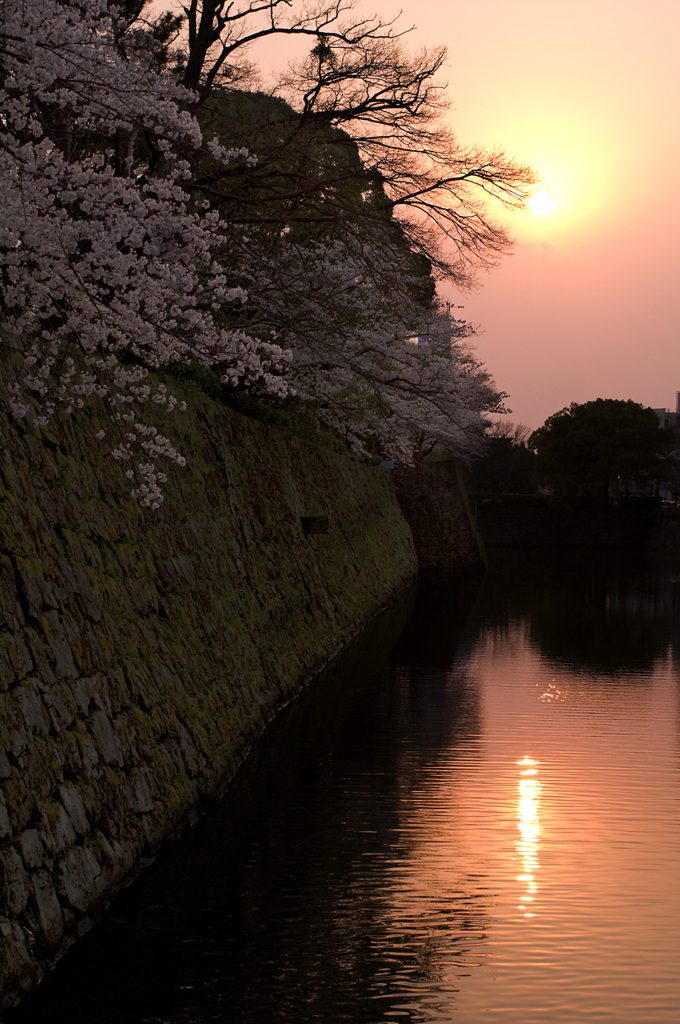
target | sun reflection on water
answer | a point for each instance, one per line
(551, 692)
(529, 826)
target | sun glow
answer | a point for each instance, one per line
(542, 202)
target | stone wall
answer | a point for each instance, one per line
(142, 653)
(434, 500)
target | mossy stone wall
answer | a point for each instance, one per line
(434, 500)
(142, 653)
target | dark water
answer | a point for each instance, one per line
(475, 816)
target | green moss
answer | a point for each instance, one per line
(10, 963)
(212, 609)
(20, 801)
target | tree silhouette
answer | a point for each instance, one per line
(601, 448)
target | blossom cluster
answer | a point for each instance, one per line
(115, 262)
(101, 251)
(384, 371)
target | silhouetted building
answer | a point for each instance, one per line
(670, 490)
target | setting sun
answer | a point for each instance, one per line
(541, 203)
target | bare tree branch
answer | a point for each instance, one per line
(218, 29)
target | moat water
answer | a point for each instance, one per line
(473, 816)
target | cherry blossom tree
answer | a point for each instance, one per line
(384, 369)
(143, 228)
(100, 256)
(332, 275)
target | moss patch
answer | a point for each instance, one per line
(159, 645)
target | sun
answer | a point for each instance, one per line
(542, 202)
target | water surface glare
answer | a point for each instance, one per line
(471, 817)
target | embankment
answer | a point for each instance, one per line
(662, 542)
(142, 653)
(543, 522)
(434, 500)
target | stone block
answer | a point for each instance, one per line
(72, 800)
(49, 911)
(77, 876)
(5, 766)
(105, 738)
(15, 882)
(89, 756)
(19, 655)
(30, 846)
(83, 693)
(79, 584)
(58, 830)
(61, 707)
(29, 700)
(7, 673)
(28, 585)
(11, 614)
(13, 722)
(77, 641)
(193, 758)
(26, 971)
(42, 657)
(143, 801)
(126, 737)
(101, 696)
(57, 641)
(5, 826)
(20, 801)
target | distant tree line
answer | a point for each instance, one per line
(605, 449)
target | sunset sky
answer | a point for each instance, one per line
(587, 92)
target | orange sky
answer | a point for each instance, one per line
(587, 92)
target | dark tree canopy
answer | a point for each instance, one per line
(359, 77)
(600, 448)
